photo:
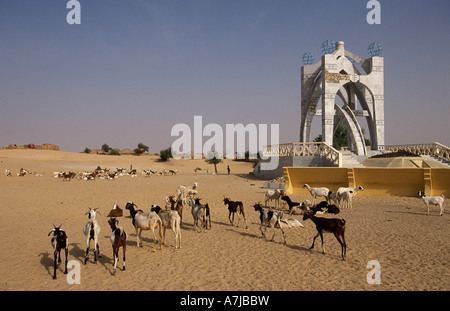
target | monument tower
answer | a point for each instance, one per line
(337, 74)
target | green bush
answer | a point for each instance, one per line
(165, 155)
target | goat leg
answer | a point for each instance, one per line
(314, 240)
(323, 245)
(55, 256)
(65, 264)
(86, 256)
(124, 247)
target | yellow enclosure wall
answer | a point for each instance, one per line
(375, 181)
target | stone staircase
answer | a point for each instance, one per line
(349, 159)
(443, 162)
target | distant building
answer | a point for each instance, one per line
(32, 146)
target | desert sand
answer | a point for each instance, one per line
(411, 247)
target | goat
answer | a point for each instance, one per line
(332, 197)
(436, 200)
(170, 220)
(199, 212)
(91, 231)
(183, 192)
(296, 208)
(317, 192)
(68, 176)
(324, 207)
(273, 195)
(235, 207)
(334, 225)
(145, 221)
(115, 212)
(274, 220)
(264, 219)
(207, 214)
(176, 205)
(118, 238)
(285, 223)
(59, 241)
(347, 198)
(289, 202)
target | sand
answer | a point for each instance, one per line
(411, 247)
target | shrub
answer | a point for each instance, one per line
(165, 155)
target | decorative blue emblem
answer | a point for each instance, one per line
(328, 46)
(375, 49)
(308, 58)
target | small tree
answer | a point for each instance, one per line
(106, 148)
(213, 158)
(87, 150)
(141, 148)
(165, 154)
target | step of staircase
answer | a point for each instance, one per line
(350, 159)
(439, 160)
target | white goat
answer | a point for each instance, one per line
(282, 223)
(332, 197)
(317, 192)
(436, 200)
(91, 231)
(301, 209)
(184, 192)
(345, 194)
(273, 195)
(170, 220)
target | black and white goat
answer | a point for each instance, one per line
(436, 200)
(325, 208)
(333, 225)
(91, 231)
(145, 221)
(296, 208)
(118, 239)
(200, 212)
(59, 241)
(269, 218)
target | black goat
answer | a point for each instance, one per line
(59, 241)
(289, 202)
(235, 207)
(326, 208)
(334, 225)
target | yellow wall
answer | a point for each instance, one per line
(375, 181)
(440, 179)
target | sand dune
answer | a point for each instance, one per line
(412, 248)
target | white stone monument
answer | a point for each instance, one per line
(336, 75)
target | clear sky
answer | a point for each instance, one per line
(133, 69)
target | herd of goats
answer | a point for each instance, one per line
(158, 219)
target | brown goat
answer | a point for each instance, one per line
(176, 205)
(334, 225)
(235, 207)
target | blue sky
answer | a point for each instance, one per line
(133, 69)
